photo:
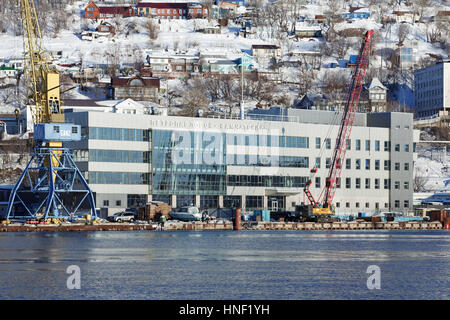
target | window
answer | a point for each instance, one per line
(406, 147)
(406, 166)
(397, 147)
(377, 183)
(367, 183)
(397, 166)
(317, 182)
(327, 163)
(348, 164)
(367, 164)
(387, 146)
(105, 203)
(358, 164)
(406, 204)
(348, 183)
(397, 185)
(347, 204)
(349, 144)
(338, 204)
(397, 203)
(367, 145)
(357, 205)
(367, 204)
(358, 183)
(358, 144)
(317, 162)
(377, 164)
(387, 183)
(328, 143)
(118, 203)
(317, 143)
(377, 145)
(406, 185)
(387, 165)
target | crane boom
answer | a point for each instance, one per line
(42, 80)
(348, 118)
(345, 129)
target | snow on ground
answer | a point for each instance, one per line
(431, 163)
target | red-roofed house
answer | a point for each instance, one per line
(443, 16)
(92, 11)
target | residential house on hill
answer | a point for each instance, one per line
(236, 2)
(170, 66)
(135, 87)
(443, 16)
(172, 10)
(306, 30)
(92, 11)
(357, 14)
(266, 51)
(405, 16)
(377, 96)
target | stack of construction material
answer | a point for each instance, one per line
(155, 210)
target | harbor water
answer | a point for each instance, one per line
(223, 265)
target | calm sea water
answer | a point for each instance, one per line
(226, 265)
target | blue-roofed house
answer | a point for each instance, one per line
(357, 14)
(237, 2)
(352, 60)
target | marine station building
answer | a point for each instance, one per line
(261, 162)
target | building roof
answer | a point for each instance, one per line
(265, 46)
(126, 81)
(376, 83)
(162, 5)
(443, 13)
(114, 10)
(300, 25)
(79, 103)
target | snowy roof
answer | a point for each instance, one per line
(129, 103)
(376, 83)
(301, 25)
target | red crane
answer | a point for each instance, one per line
(326, 197)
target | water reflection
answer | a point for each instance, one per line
(250, 265)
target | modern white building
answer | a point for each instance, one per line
(432, 90)
(261, 162)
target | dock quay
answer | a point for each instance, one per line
(75, 227)
(354, 225)
(226, 225)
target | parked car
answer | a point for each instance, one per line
(123, 216)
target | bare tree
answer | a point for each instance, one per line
(420, 6)
(207, 4)
(194, 99)
(419, 182)
(152, 29)
(402, 32)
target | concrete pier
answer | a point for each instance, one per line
(223, 225)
